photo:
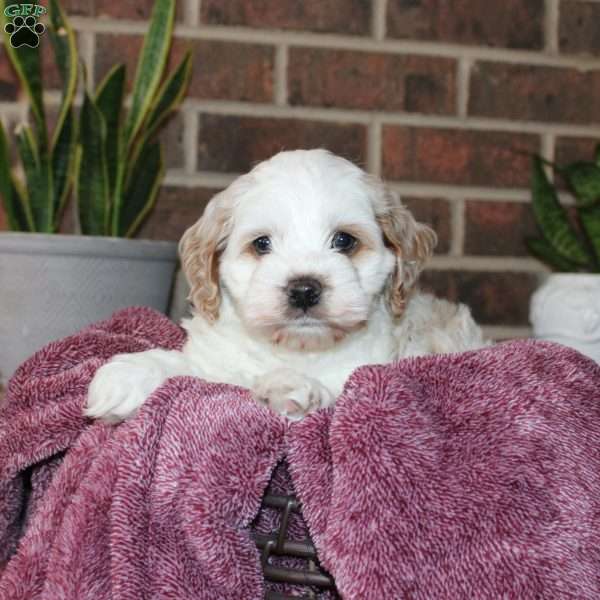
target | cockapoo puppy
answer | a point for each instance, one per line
(300, 271)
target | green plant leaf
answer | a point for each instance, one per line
(64, 44)
(552, 218)
(26, 62)
(170, 95)
(93, 197)
(151, 65)
(109, 98)
(541, 249)
(167, 100)
(141, 192)
(590, 221)
(583, 179)
(19, 219)
(27, 148)
(62, 162)
(597, 155)
(38, 176)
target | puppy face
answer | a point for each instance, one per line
(304, 245)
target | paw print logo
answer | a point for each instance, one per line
(24, 32)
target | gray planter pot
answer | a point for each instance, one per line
(53, 285)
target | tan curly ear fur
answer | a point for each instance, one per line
(199, 250)
(413, 244)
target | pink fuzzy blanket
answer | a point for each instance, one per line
(466, 476)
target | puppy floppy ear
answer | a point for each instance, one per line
(199, 250)
(411, 242)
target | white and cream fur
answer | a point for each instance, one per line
(245, 331)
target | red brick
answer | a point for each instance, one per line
(51, 76)
(570, 150)
(3, 222)
(495, 298)
(172, 139)
(333, 16)
(365, 80)
(235, 144)
(9, 83)
(510, 23)
(498, 228)
(130, 9)
(435, 213)
(534, 93)
(68, 223)
(221, 70)
(117, 49)
(460, 157)
(176, 209)
(578, 30)
(10, 128)
(226, 70)
(10, 87)
(125, 9)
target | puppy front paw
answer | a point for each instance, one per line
(290, 393)
(120, 387)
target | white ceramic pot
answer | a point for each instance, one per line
(53, 285)
(566, 309)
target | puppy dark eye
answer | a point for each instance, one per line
(343, 242)
(262, 245)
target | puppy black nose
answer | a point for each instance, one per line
(303, 292)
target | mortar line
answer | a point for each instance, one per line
(177, 177)
(13, 110)
(378, 19)
(547, 151)
(24, 111)
(190, 140)
(88, 46)
(486, 263)
(235, 108)
(192, 13)
(280, 83)
(463, 77)
(408, 189)
(503, 332)
(548, 146)
(457, 227)
(374, 148)
(349, 42)
(551, 25)
(458, 192)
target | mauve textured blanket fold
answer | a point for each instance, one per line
(464, 476)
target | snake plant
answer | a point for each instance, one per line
(111, 154)
(119, 163)
(36, 202)
(563, 245)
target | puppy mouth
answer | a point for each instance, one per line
(306, 322)
(307, 333)
(318, 318)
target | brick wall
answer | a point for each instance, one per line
(442, 98)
